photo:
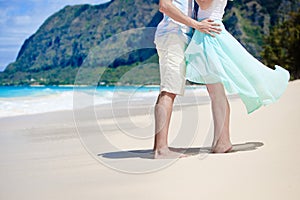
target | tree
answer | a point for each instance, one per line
(282, 46)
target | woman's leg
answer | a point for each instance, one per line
(221, 117)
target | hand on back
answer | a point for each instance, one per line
(208, 26)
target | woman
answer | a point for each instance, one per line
(221, 61)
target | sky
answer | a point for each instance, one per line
(19, 19)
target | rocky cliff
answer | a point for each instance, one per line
(59, 47)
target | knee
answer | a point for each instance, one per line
(165, 96)
(214, 96)
(216, 93)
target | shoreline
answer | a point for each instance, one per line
(20, 102)
(183, 102)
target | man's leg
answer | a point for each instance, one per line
(221, 116)
(170, 49)
(163, 112)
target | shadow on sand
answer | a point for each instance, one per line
(148, 153)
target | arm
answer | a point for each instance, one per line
(206, 26)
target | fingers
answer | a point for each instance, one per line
(208, 26)
(216, 24)
(215, 30)
(209, 33)
(212, 31)
(210, 21)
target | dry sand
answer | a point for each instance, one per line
(43, 157)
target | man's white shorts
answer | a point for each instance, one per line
(170, 49)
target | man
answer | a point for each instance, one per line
(171, 39)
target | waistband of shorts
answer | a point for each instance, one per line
(183, 37)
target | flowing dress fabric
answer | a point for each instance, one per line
(222, 59)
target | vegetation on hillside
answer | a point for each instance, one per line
(282, 46)
(67, 40)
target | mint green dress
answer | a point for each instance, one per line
(222, 59)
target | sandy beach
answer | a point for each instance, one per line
(90, 154)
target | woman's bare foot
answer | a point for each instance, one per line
(223, 145)
(166, 153)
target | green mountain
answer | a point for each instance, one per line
(249, 21)
(82, 35)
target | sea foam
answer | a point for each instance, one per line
(17, 101)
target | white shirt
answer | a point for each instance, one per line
(168, 25)
(215, 11)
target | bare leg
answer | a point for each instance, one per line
(163, 112)
(221, 116)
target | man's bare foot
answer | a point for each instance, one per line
(178, 150)
(166, 153)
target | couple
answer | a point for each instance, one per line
(212, 57)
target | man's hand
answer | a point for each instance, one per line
(208, 26)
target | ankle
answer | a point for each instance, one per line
(160, 149)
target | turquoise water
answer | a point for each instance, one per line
(31, 100)
(26, 100)
(24, 91)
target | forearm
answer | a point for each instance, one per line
(206, 26)
(166, 7)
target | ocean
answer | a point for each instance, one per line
(24, 100)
